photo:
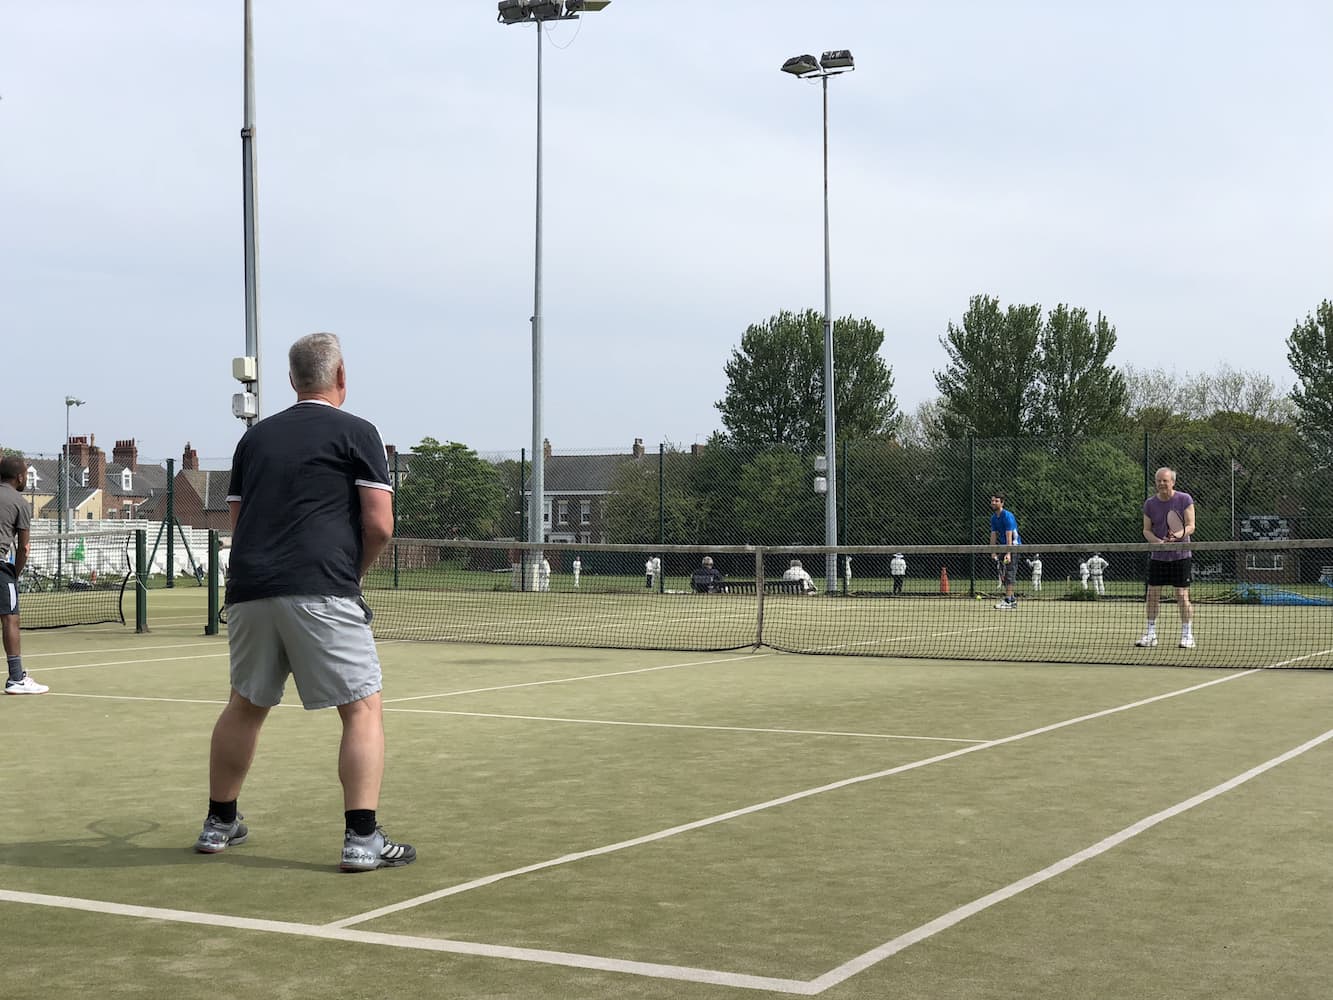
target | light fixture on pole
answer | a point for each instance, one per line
(539, 12)
(806, 67)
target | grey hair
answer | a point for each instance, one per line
(1165, 468)
(313, 362)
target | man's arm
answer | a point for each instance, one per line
(1189, 521)
(234, 508)
(1148, 535)
(376, 523)
(20, 550)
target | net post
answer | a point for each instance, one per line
(170, 523)
(843, 492)
(522, 518)
(971, 499)
(661, 510)
(759, 597)
(141, 580)
(214, 547)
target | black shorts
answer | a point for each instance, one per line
(9, 590)
(1170, 573)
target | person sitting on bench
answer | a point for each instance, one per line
(706, 579)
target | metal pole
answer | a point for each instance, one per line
(535, 523)
(248, 194)
(397, 485)
(214, 547)
(171, 523)
(661, 510)
(522, 518)
(831, 497)
(971, 491)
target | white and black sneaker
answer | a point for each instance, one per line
(217, 836)
(375, 850)
(1147, 639)
(28, 685)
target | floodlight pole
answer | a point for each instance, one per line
(536, 523)
(250, 238)
(830, 435)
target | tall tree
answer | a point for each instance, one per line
(986, 389)
(1310, 354)
(1080, 395)
(449, 492)
(775, 382)
(1153, 395)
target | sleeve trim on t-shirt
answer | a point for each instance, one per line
(232, 498)
(374, 486)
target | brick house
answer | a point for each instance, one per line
(98, 489)
(575, 489)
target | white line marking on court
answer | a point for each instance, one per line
(770, 804)
(570, 680)
(1298, 659)
(678, 725)
(119, 649)
(121, 663)
(570, 960)
(890, 948)
(909, 638)
(144, 697)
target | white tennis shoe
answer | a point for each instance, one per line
(1187, 642)
(25, 686)
(1147, 639)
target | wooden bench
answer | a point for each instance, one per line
(770, 587)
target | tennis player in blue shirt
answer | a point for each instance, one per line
(1004, 531)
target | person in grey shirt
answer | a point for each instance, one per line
(14, 522)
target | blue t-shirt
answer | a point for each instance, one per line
(1002, 522)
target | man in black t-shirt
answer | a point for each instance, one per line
(311, 508)
(14, 530)
(707, 579)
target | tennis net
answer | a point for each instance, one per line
(75, 577)
(1254, 604)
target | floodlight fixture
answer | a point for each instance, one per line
(837, 60)
(512, 11)
(543, 10)
(585, 6)
(800, 65)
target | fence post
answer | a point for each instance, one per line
(397, 484)
(522, 517)
(843, 534)
(141, 580)
(171, 523)
(971, 490)
(62, 477)
(211, 627)
(661, 510)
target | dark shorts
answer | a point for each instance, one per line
(9, 591)
(1170, 573)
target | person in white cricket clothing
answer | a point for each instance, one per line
(577, 567)
(1035, 563)
(1096, 567)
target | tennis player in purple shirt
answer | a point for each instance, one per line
(1168, 516)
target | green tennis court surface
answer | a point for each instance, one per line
(601, 823)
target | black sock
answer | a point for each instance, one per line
(224, 811)
(16, 671)
(361, 821)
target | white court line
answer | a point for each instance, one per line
(876, 955)
(676, 725)
(144, 697)
(121, 663)
(120, 649)
(759, 807)
(567, 959)
(909, 638)
(570, 680)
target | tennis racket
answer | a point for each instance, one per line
(1175, 526)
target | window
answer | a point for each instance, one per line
(89, 515)
(563, 510)
(546, 512)
(585, 512)
(126, 479)
(32, 479)
(585, 538)
(83, 477)
(1270, 562)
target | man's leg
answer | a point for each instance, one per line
(361, 753)
(1154, 602)
(13, 651)
(1186, 616)
(235, 737)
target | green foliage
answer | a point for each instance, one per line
(449, 492)
(1310, 354)
(633, 514)
(1012, 374)
(775, 382)
(775, 504)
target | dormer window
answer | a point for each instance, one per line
(32, 478)
(126, 480)
(83, 477)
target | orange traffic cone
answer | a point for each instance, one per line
(944, 580)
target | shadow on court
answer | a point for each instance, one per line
(109, 849)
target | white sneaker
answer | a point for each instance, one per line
(1187, 642)
(25, 686)
(1147, 639)
(1006, 606)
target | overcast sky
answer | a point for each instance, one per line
(1164, 162)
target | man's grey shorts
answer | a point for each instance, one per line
(324, 643)
(1008, 571)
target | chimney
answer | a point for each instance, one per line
(696, 450)
(390, 453)
(77, 450)
(96, 468)
(546, 448)
(189, 458)
(638, 447)
(126, 453)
